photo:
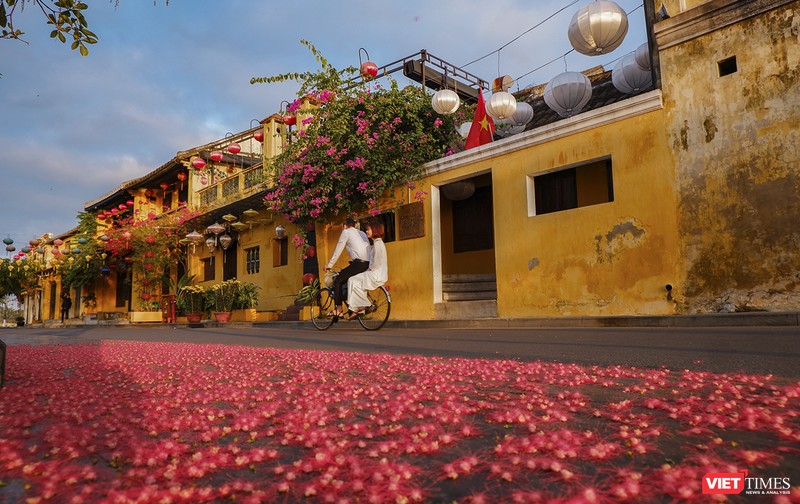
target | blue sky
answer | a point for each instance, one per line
(163, 79)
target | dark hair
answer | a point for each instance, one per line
(377, 229)
(349, 222)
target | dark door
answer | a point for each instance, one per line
(229, 258)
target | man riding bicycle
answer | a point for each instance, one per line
(357, 245)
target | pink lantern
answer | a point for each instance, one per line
(123, 206)
(216, 156)
(369, 70)
(58, 242)
(126, 235)
(129, 203)
(234, 148)
(114, 211)
(198, 163)
(164, 186)
(259, 135)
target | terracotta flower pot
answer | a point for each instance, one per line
(222, 317)
(194, 318)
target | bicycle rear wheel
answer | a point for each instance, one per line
(378, 313)
(321, 307)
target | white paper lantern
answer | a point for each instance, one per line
(523, 115)
(502, 127)
(463, 130)
(501, 105)
(628, 77)
(643, 57)
(445, 102)
(598, 28)
(567, 93)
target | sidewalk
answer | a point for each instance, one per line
(748, 319)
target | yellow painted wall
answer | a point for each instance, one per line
(606, 259)
(734, 140)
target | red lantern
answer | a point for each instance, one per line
(259, 135)
(309, 278)
(123, 206)
(129, 203)
(114, 211)
(290, 120)
(369, 70)
(164, 186)
(216, 156)
(58, 242)
(181, 176)
(234, 148)
(198, 163)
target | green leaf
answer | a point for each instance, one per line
(84, 50)
(54, 34)
(62, 38)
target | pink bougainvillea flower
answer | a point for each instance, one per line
(167, 422)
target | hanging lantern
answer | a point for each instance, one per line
(8, 240)
(215, 228)
(258, 135)
(105, 238)
(126, 235)
(234, 148)
(35, 242)
(628, 77)
(114, 211)
(25, 250)
(216, 156)
(225, 241)
(198, 163)
(194, 237)
(598, 28)
(204, 180)
(460, 190)
(290, 119)
(501, 105)
(181, 176)
(280, 231)
(642, 56)
(239, 226)
(82, 240)
(369, 70)
(523, 114)
(250, 213)
(502, 127)
(129, 203)
(40, 250)
(76, 251)
(57, 242)
(445, 102)
(211, 243)
(567, 93)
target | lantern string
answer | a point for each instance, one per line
(548, 18)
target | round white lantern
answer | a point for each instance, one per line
(463, 130)
(501, 105)
(567, 93)
(628, 77)
(445, 102)
(643, 57)
(598, 28)
(523, 115)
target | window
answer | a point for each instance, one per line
(208, 269)
(727, 66)
(575, 187)
(253, 257)
(280, 252)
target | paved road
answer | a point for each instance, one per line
(762, 350)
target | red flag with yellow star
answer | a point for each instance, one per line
(482, 129)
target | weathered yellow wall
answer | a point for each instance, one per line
(735, 144)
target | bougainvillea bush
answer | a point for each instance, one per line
(357, 144)
(169, 422)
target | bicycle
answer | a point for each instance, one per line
(372, 319)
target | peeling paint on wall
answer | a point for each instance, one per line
(623, 236)
(533, 263)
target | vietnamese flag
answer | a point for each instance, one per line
(482, 129)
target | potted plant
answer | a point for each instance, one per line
(223, 298)
(20, 321)
(246, 303)
(192, 301)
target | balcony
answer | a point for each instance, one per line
(232, 188)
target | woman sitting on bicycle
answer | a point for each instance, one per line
(376, 275)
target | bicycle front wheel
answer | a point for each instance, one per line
(377, 313)
(321, 307)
